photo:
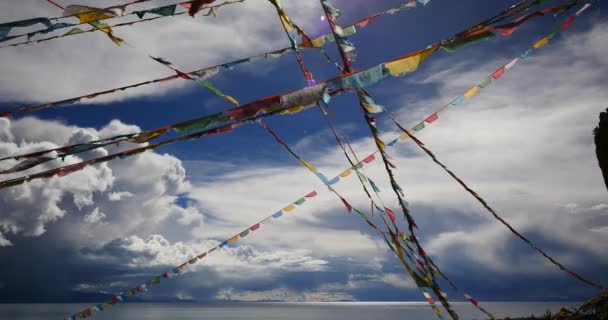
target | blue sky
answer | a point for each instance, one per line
(525, 144)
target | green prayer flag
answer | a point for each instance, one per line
(162, 11)
(485, 83)
(361, 176)
(420, 282)
(300, 201)
(361, 214)
(460, 43)
(419, 126)
(189, 127)
(211, 87)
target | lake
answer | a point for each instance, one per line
(272, 311)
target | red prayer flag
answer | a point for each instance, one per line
(507, 30)
(62, 172)
(306, 43)
(197, 5)
(432, 118)
(390, 213)
(568, 22)
(498, 73)
(202, 255)
(348, 206)
(255, 227)
(88, 312)
(311, 195)
(369, 159)
(165, 275)
(365, 22)
(183, 75)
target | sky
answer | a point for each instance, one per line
(525, 144)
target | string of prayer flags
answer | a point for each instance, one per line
(344, 50)
(486, 33)
(5, 28)
(27, 164)
(95, 14)
(508, 28)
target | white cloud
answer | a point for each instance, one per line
(148, 186)
(282, 294)
(117, 196)
(95, 216)
(236, 263)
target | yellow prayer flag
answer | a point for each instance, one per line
(73, 31)
(380, 144)
(231, 99)
(146, 137)
(318, 42)
(293, 110)
(286, 22)
(372, 108)
(289, 208)
(406, 65)
(233, 239)
(117, 41)
(346, 173)
(309, 165)
(472, 92)
(541, 42)
(93, 16)
(404, 137)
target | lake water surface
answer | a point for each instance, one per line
(274, 311)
